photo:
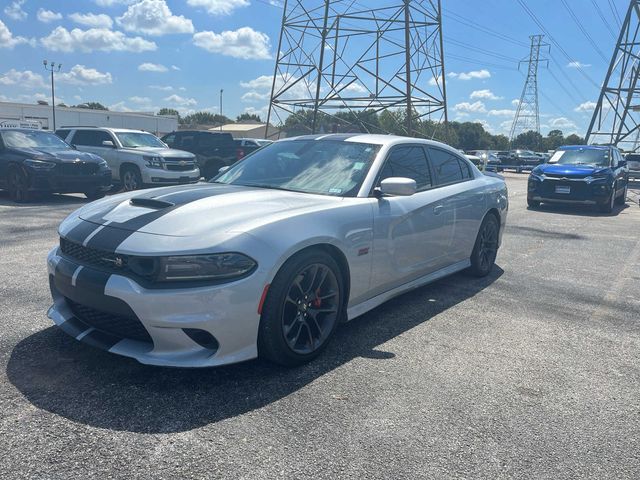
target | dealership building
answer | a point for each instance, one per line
(42, 116)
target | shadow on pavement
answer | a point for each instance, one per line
(45, 200)
(67, 378)
(578, 210)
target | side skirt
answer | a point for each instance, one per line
(362, 308)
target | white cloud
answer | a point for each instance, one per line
(111, 3)
(81, 75)
(254, 96)
(47, 16)
(502, 113)
(515, 102)
(153, 17)
(435, 81)
(152, 67)
(92, 20)
(484, 94)
(260, 83)
(140, 100)
(175, 68)
(94, 39)
(577, 64)
(182, 101)
(7, 40)
(477, 74)
(563, 122)
(476, 107)
(245, 43)
(26, 79)
(219, 7)
(586, 107)
(14, 10)
(162, 88)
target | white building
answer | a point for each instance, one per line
(250, 130)
(82, 117)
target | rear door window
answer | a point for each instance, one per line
(63, 134)
(91, 138)
(447, 167)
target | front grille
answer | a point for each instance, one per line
(77, 168)
(118, 325)
(561, 175)
(92, 257)
(579, 190)
(175, 167)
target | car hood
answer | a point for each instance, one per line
(570, 170)
(200, 209)
(58, 156)
(162, 152)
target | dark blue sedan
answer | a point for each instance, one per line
(581, 175)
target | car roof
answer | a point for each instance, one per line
(585, 147)
(374, 139)
(116, 130)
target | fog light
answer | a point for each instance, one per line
(202, 338)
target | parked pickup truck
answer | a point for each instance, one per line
(136, 158)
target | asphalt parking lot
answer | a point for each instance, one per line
(533, 372)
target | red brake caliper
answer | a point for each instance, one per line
(317, 302)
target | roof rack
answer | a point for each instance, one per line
(77, 126)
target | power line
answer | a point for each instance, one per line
(558, 46)
(566, 90)
(481, 50)
(470, 23)
(615, 12)
(584, 31)
(604, 19)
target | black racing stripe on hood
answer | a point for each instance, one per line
(111, 236)
(80, 232)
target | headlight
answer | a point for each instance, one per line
(595, 178)
(103, 164)
(39, 164)
(221, 266)
(154, 162)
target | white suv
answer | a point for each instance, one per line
(136, 158)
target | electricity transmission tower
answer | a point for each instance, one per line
(616, 119)
(340, 57)
(528, 113)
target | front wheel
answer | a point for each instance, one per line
(94, 194)
(302, 309)
(533, 203)
(485, 249)
(611, 202)
(131, 178)
(622, 199)
(18, 185)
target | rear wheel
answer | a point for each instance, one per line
(18, 185)
(485, 249)
(302, 309)
(131, 178)
(533, 203)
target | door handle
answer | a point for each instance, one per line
(437, 210)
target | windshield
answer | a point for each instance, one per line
(324, 167)
(33, 139)
(136, 140)
(583, 156)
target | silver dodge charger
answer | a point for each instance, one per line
(270, 256)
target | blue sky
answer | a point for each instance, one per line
(147, 54)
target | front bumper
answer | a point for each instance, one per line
(153, 176)
(580, 192)
(227, 312)
(49, 182)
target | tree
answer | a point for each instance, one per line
(574, 139)
(168, 112)
(205, 118)
(528, 140)
(248, 117)
(91, 106)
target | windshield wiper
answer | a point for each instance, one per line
(264, 185)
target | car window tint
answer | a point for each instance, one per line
(170, 139)
(466, 172)
(84, 137)
(63, 134)
(408, 162)
(102, 137)
(187, 140)
(446, 166)
(208, 141)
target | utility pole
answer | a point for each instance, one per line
(616, 118)
(341, 57)
(52, 68)
(528, 113)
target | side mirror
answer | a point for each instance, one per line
(397, 187)
(224, 169)
(108, 144)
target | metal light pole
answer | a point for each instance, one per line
(221, 114)
(52, 68)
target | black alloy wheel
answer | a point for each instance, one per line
(18, 185)
(485, 249)
(302, 309)
(611, 201)
(622, 199)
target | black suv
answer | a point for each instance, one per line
(213, 150)
(34, 162)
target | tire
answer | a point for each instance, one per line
(485, 250)
(622, 199)
(302, 309)
(533, 203)
(18, 185)
(130, 178)
(610, 205)
(211, 169)
(95, 194)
